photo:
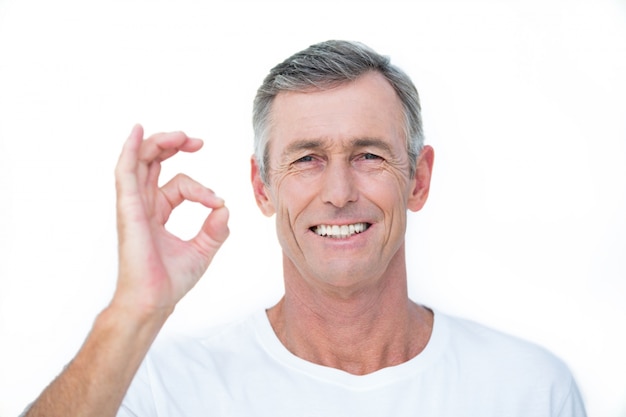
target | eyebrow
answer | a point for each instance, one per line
(371, 142)
(303, 144)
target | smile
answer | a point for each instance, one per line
(340, 232)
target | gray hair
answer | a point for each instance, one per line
(326, 65)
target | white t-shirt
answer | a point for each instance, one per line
(242, 369)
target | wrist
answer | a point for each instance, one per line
(134, 317)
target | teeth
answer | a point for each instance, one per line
(340, 232)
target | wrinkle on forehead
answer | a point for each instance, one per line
(364, 113)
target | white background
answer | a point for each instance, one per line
(524, 103)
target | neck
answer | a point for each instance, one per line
(360, 333)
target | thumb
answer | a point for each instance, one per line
(214, 231)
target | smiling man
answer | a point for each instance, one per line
(339, 161)
(340, 183)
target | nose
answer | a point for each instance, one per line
(338, 184)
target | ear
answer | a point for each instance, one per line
(421, 182)
(260, 189)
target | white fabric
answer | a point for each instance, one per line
(243, 370)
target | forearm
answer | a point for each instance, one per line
(95, 382)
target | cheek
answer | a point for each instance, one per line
(290, 199)
(389, 189)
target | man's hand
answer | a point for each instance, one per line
(156, 268)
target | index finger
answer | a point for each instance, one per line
(161, 146)
(127, 161)
(182, 187)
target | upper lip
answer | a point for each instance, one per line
(339, 223)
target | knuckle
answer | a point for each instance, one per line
(182, 177)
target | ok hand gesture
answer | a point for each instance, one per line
(156, 268)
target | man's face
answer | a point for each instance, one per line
(338, 182)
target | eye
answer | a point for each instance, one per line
(370, 156)
(306, 158)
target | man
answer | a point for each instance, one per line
(339, 159)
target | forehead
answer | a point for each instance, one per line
(367, 107)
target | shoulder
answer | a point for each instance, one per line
(503, 369)
(181, 368)
(216, 339)
(204, 351)
(496, 352)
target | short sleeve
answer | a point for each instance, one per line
(139, 400)
(573, 405)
